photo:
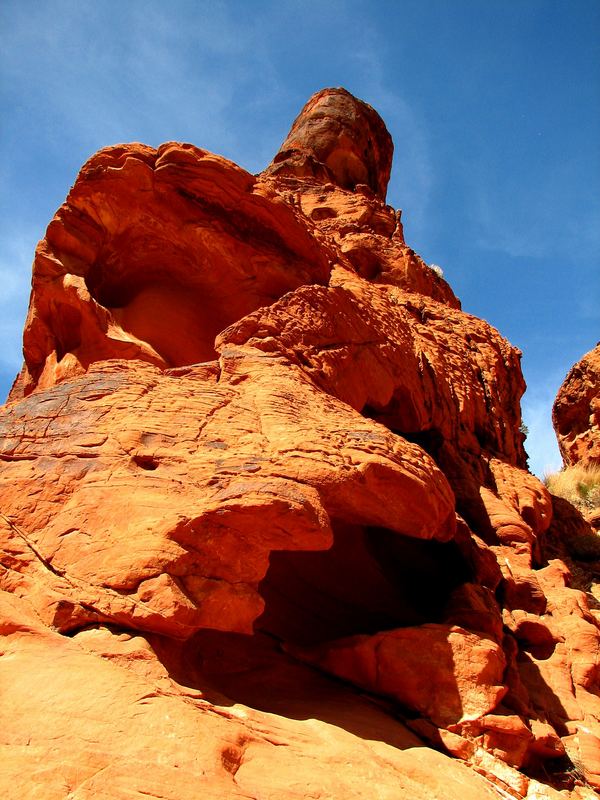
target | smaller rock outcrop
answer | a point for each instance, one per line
(576, 412)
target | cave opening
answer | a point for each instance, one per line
(370, 580)
(165, 304)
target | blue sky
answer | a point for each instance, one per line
(494, 108)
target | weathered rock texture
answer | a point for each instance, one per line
(267, 528)
(576, 413)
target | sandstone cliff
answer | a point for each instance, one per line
(267, 528)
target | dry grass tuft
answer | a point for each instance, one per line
(579, 485)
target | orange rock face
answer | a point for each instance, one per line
(265, 512)
(576, 413)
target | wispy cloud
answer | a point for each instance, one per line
(80, 76)
(541, 215)
(413, 174)
(15, 277)
(154, 74)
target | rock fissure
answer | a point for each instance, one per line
(46, 563)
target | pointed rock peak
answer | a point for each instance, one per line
(339, 139)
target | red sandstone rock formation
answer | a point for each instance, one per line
(576, 413)
(266, 525)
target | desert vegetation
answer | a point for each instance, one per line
(580, 485)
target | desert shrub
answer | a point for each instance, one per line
(580, 485)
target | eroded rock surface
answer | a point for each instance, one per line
(576, 412)
(265, 509)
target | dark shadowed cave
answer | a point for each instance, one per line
(370, 580)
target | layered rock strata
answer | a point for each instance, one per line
(265, 509)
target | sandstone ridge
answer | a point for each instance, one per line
(265, 507)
